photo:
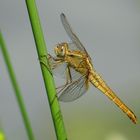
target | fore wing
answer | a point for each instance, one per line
(58, 66)
(71, 34)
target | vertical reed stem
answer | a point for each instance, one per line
(47, 75)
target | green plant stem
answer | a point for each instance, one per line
(2, 135)
(16, 88)
(47, 76)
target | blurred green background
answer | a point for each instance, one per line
(110, 31)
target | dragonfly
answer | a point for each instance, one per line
(73, 62)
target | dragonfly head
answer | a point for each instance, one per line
(61, 49)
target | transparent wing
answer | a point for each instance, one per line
(59, 69)
(74, 90)
(74, 74)
(71, 34)
(72, 46)
(58, 66)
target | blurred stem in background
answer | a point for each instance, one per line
(2, 135)
(16, 88)
(46, 72)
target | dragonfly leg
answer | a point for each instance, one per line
(43, 61)
(56, 61)
(68, 75)
(51, 57)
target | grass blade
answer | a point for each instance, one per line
(16, 88)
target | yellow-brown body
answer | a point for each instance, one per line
(81, 62)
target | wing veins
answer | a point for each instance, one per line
(72, 90)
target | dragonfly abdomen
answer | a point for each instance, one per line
(99, 83)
